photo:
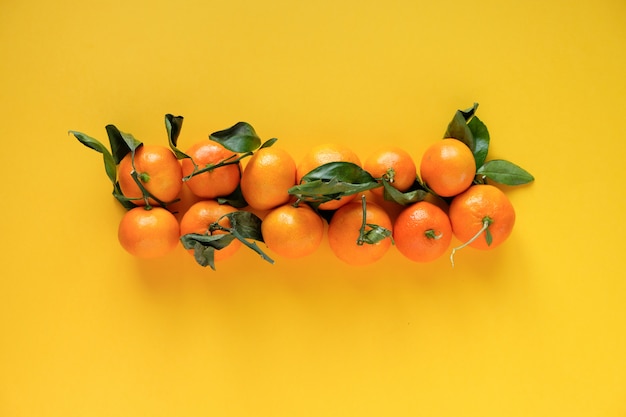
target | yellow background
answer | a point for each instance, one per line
(536, 327)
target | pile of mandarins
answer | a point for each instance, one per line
(244, 192)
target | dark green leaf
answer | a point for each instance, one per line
(240, 138)
(332, 181)
(458, 128)
(481, 140)
(173, 125)
(345, 172)
(124, 201)
(469, 113)
(204, 255)
(375, 234)
(392, 194)
(121, 143)
(217, 241)
(109, 163)
(505, 172)
(268, 143)
(319, 191)
(235, 199)
(246, 224)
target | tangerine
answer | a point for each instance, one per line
(217, 182)
(344, 232)
(157, 169)
(323, 154)
(267, 177)
(482, 209)
(148, 233)
(448, 167)
(394, 163)
(422, 232)
(199, 217)
(293, 232)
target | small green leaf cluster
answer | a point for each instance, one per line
(469, 129)
(245, 227)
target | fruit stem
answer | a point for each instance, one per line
(486, 223)
(431, 234)
(361, 238)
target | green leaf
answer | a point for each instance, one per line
(204, 255)
(318, 191)
(204, 246)
(240, 138)
(109, 163)
(173, 125)
(235, 199)
(268, 143)
(392, 194)
(345, 172)
(124, 201)
(246, 224)
(481, 140)
(469, 113)
(458, 128)
(332, 181)
(121, 143)
(217, 241)
(488, 236)
(505, 172)
(375, 234)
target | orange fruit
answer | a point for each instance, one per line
(218, 182)
(448, 167)
(267, 177)
(159, 172)
(344, 230)
(479, 204)
(293, 232)
(381, 161)
(148, 233)
(422, 232)
(200, 216)
(323, 154)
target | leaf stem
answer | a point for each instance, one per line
(486, 223)
(231, 160)
(252, 245)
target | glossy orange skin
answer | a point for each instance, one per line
(161, 169)
(148, 233)
(199, 217)
(219, 182)
(448, 167)
(293, 232)
(469, 209)
(320, 155)
(267, 177)
(343, 233)
(422, 232)
(380, 161)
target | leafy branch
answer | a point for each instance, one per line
(244, 226)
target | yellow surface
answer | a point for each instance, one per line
(536, 327)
